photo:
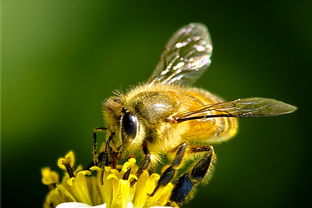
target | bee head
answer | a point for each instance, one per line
(123, 125)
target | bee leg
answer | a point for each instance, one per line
(104, 157)
(96, 156)
(194, 177)
(169, 173)
(145, 162)
(109, 154)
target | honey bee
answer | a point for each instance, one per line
(167, 116)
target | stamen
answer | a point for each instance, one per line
(126, 175)
(104, 185)
(69, 170)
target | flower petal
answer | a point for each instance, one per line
(68, 159)
(72, 205)
(48, 176)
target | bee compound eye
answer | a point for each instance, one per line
(130, 124)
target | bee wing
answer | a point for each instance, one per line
(248, 107)
(185, 57)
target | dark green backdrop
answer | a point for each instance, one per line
(61, 59)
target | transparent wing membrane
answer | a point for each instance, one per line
(185, 57)
(248, 107)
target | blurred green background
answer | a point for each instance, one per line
(61, 59)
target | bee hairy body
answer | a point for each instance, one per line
(155, 104)
(166, 116)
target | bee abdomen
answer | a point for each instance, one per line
(209, 130)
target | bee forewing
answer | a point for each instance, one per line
(256, 107)
(264, 107)
(248, 107)
(185, 57)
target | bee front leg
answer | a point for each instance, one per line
(145, 162)
(195, 176)
(170, 172)
(95, 159)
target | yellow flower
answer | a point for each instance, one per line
(108, 187)
(81, 205)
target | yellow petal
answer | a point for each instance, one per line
(152, 183)
(161, 196)
(128, 164)
(112, 176)
(68, 159)
(124, 190)
(48, 176)
(141, 190)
